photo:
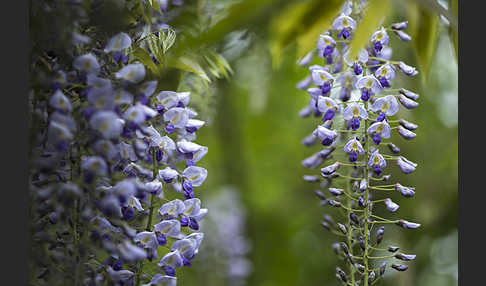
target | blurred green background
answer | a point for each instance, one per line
(254, 136)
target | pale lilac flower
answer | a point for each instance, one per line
(118, 42)
(353, 148)
(60, 102)
(325, 46)
(168, 175)
(172, 208)
(355, 112)
(369, 86)
(344, 24)
(407, 224)
(325, 135)
(323, 79)
(385, 106)
(385, 74)
(107, 123)
(379, 39)
(170, 227)
(133, 73)
(87, 63)
(196, 175)
(327, 106)
(379, 129)
(377, 162)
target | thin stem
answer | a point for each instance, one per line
(148, 227)
(366, 211)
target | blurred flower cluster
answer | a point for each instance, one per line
(354, 97)
(227, 246)
(113, 168)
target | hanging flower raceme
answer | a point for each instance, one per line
(359, 101)
(114, 149)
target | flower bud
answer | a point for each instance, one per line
(342, 228)
(399, 267)
(390, 205)
(341, 275)
(325, 225)
(393, 248)
(393, 148)
(329, 170)
(311, 179)
(406, 69)
(405, 257)
(408, 125)
(379, 234)
(405, 133)
(360, 267)
(336, 192)
(363, 185)
(320, 195)
(407, 224)
(382, 268)
(354, 218)
(361, 202)
(334, 203)
(405, 165)
(405, 191)
(407, 102)
(400, 25)
(402, 36)
(309, 140)
(371, 277)
(409, 94)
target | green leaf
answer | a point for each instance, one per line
(187, 64)
(424, 31)
(155, 47)
(155, 5)
(144, 57)
(373, 16)
(301, 22)
(307, 40)
(167, 39)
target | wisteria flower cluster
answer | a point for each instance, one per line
(357, 104)
(114, 176)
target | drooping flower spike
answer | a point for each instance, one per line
(351, 186)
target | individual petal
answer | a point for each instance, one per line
(168, 175)
(196, 175)
(147, 239)
(192, 207)
(354, 145)
(122, 96)
(405, 257)
(107, 123)
(376, 159)
(321, 76)
(60, 102)
(118, 42)
(400, 25)
(325, 103)
(170, 228)
(186, 247)
(387, 104)
(134, 73)
(329, 170)
(172, 259)
(387, 71)
(172, 208)
(162, 280)
(381, 128)
(344, 21)
(87, 63)
(369, 82)
(380, 36)
(95, 165)
(177, 116)
(130, 252)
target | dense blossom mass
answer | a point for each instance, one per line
(356, 104)
(114, 175)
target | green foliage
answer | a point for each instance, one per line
(453, 32)
(424, 32)
(373, 16)
(300, 22)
